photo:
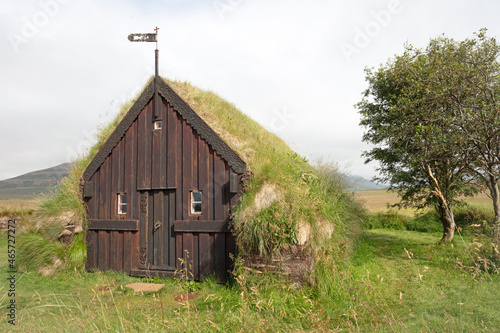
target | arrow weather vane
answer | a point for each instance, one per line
(150, 37)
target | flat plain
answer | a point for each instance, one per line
(380, 200)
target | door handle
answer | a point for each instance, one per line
(157, 225)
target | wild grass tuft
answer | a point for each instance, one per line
(424, 222)
(475, 217)
(35, 251)
(386, 220)
(76, 251)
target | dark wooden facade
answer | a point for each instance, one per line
(156, 170)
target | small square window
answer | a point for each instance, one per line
(157, 124)
(122, 203)
(196, 202)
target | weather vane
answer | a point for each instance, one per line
(150, 37)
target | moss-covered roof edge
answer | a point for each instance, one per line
(200, 126)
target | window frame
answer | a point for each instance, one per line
(122, 204)
(193, 202)
(156, 123)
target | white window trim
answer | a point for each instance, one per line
(156, 123)
(122, 204)
(193, 202)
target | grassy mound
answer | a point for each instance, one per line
(286, 200)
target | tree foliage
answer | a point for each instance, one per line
(432, 117)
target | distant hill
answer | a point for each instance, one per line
(361, 184)
(31, 184)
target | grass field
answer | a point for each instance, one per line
(17, 207)
(395, 281)
(379, 200)
(398, 281)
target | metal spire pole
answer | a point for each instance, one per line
(156, 105)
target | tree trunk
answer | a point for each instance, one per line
(495, 197)
(448, 221)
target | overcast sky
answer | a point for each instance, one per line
(296, 67)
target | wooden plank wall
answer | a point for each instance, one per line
(174, 157)
(205, 254)
(112, 250)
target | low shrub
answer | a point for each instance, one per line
(474, 218)
(426, 222)
(386, 220)
(469, 218)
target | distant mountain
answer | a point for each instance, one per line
(31, 184)
(361, 184)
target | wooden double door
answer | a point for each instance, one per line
(157, 236)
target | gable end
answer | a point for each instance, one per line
(200, 126)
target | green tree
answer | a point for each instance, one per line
(469, 78)
(416, 140)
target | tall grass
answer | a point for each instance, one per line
(35, 251)
(393, 281)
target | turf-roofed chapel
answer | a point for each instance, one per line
(193, 183)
